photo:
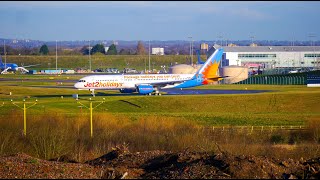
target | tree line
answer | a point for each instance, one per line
(85, 50)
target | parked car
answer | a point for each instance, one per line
(114, 70)
(130, 71)
(298, 70)
(98, 70)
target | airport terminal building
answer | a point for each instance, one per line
(271, 57)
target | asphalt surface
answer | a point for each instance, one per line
(175, 91)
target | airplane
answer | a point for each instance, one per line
(200, 61)
(5, 67)
(147, 84)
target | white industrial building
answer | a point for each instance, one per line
(106, 49)
(157, 51)
(269, 57)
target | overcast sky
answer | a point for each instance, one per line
(159, 20)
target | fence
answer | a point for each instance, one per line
(257, 128)
(275, 80)
(287, 79)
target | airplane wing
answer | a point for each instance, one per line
(31, 65)
(162, 84)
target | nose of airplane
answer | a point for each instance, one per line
(77, 85)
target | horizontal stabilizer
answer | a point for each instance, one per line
(5, 70)
(23, 69)
(32, 65)
(217, 78)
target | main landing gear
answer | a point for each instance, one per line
(92, 92)
(156, 92)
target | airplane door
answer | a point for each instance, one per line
(121, 80)
(92, 79)
(199, 78)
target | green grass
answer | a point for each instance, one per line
(42, 77)
(286, 105)
(97, 61)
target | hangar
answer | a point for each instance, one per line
(270, 57)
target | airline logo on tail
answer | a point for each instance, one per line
(208, 72)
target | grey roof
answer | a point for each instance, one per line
(270, 48)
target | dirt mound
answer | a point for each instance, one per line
(24, 166)
(120, 163)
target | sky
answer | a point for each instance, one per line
(160, 20)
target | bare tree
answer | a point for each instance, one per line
(140, 49)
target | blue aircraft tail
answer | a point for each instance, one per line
(200, 61)
(207, 73)
(1, 60)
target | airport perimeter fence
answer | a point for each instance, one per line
(275, 80)
(257, 128)
(288, 79)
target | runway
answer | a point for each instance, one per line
(165, 92)
(174, 91)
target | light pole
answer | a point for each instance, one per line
(192, 53)
(56, 57)
(5, 54)
(190, 37)
(149, 55)
(312, 35)
(24, 113)
(252, 37)
(145, 63)
(89, 57)
(91, 110)
(220, 37)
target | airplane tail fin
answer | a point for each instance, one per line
(1, 60)
(210, 67)
(200, 61)
(207, 73)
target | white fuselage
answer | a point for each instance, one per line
(129, 81)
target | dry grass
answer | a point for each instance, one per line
(56, 135)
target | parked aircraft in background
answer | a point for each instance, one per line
(6, 67)
(152, 83)
(200, 61)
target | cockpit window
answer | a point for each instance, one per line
(82, 80)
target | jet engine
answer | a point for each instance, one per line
(145, 89)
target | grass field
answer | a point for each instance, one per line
(286, 105)
(99, 61)
(57, 124)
